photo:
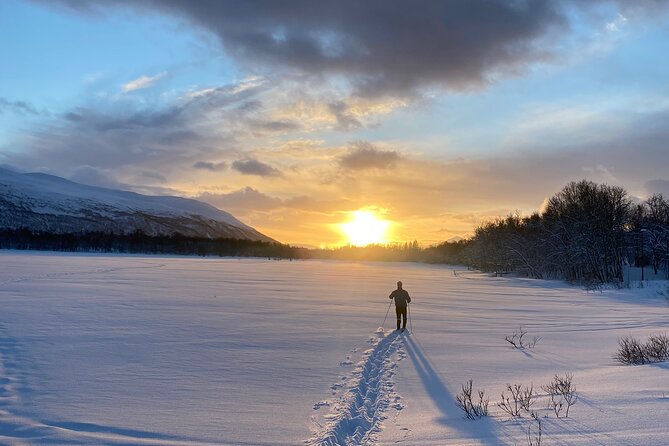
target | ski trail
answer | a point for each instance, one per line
(357, 417)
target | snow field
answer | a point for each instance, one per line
(127, 350)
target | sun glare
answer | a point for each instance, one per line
(364, 228)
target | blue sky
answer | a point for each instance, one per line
(282, 113)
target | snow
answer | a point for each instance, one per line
(127, 350)
(54, 195)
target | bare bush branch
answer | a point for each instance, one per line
(527, 398)
(657, 348)
(519, 398)
(517, 340)
(534, 435)
(562, 394)
(472, 410)
(633, 351)
(630, 351)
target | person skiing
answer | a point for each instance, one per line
(402, 299)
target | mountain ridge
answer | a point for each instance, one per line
(44, 202)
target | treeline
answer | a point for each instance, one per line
(138, 242)
(587, 233)
(451, 253)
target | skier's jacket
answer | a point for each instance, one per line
(401, 297)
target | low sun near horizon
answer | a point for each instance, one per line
(365, 227)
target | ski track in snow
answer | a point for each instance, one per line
(356, 418)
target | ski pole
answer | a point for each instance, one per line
(384, 319)
(410, 324)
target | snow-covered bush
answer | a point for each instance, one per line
(472, 410)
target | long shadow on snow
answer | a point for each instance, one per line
(19, 424)
(442, 398)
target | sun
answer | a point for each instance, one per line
(364, 228)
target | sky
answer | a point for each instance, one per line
(433, 115)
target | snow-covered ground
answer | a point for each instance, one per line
(169, 351)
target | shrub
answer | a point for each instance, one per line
(534, 435)
(519, 398)
(472, 410)
(562, 394)
(517, 340)
(657, 348)
(632, 351)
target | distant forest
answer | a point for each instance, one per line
(586, 234)
(138, 242)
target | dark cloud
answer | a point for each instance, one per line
(251, 166)
(381, 46)
(387, 47)
(366, 156)
(213, 167)
(345, 120)
(20, 107)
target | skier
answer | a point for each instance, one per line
(402, 299)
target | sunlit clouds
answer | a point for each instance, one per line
(300, 118)
(142, 82)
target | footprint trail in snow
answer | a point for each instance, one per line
(356, 418)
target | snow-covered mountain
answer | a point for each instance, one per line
(45, 202)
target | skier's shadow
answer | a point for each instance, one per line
(481, 429)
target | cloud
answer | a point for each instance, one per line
(364, 155)
(617, 24)
(345, 119)
(251, 166)
(213, 167)
(142, 82)
(161, 137)
(658, 186)
(381, 47)
(93, 176)
(20, 107)
(243, 200)
(389, 47)
(274, 126)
